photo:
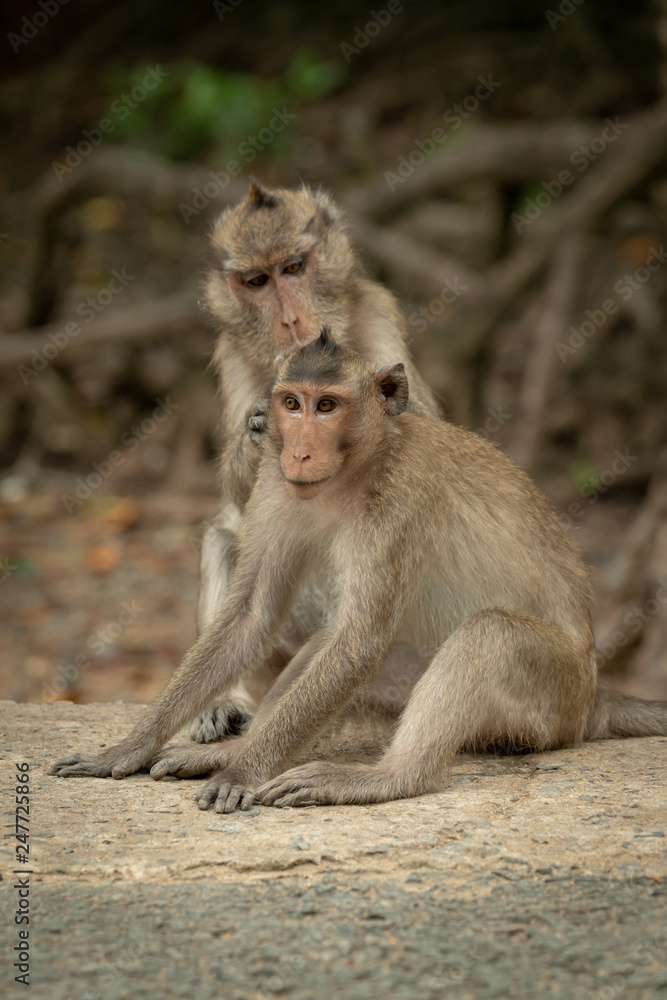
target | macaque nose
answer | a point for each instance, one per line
(289, 314)
(290, 320)
(301, 454)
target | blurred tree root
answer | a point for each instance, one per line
(551, 323)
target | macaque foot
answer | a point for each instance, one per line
(116, 762)
(223, 719)
(187, 760)
(227, 790)
(258, 420)
(327, 783)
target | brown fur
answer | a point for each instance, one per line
(426, 538)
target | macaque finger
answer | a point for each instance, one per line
(84, 769)
(303, 797)
(258, 421)
(248, 800)
(73, 758)
(233, 798)
(220, 805)
(208, 794)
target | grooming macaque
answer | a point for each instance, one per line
(283, 268)
(433, 548)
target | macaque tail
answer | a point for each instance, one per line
(617, 715)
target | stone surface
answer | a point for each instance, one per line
(543, 869)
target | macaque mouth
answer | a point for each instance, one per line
(308, 482)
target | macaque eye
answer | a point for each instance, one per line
(258, 280)
(294, 267)
(292, 403)
(326, 405)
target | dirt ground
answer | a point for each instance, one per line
(99, 605)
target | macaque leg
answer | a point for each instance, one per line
(231, 715)
(499, 675)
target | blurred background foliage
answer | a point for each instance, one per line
(487, 300)
(204, 113)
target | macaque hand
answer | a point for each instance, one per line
(185, 760)
(118, 761)
(257, 421)
(228, 789)
(326, 783)
(218, 722)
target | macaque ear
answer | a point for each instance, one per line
(327, 214)
(259, 196)
(392, 387)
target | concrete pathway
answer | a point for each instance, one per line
(529, 877)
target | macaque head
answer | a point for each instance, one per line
(281, 262)
(329, 413)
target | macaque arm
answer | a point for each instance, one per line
(357, 644)
(238, 465)
(249, 619)
(186, 760)
(315, 697)
(243, 429)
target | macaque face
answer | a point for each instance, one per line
(312, 424)
(282, 291)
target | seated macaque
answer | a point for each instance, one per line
(424, 538)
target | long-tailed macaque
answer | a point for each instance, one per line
(283, 268)
(424, 536)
